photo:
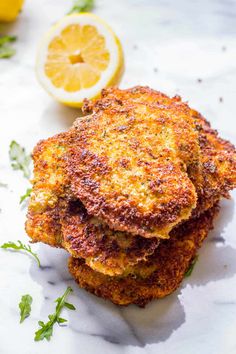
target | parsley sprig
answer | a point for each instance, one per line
(46, 330)
(190, 269)
(20, 160)
(6, 51)
(25, 307)
(82, 6)
(26, 195)
(20, 246)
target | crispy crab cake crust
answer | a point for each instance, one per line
(156, 278)
(54, 219)
(105, 250)
(44, 227)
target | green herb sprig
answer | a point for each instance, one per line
(190, 269)
(46, 330)
(20, 247)
(82, 6)
(6, 51)
(26, 195)
(25, 307)
(20, 160)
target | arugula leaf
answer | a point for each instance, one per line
(6, 51)
(26, 195)
(190, 269)
(7, 39)
(69, 306)
(46, 330)
(20, 160)
(82, 6)
(25, 307)
(19, 247)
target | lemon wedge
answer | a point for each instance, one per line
(9, 9)
(78, 57)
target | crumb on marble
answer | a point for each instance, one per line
(51, 282)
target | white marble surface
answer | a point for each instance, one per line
(171, 46)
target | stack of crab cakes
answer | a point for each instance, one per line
(131, 192)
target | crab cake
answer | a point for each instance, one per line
(122, 180)
(155, 278)
(128, 164)
(55, 219)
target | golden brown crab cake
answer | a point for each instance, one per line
(129, 165)
(54, 220)
(104, 250)
(215, 174)
(155, 278)
(48, 190)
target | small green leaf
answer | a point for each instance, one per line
(26, 195)
(190, 269)
(20, 160)
(3, 185)
(61, 320)
(20, 246)
(6, 51)
(46, 330)
(25, 307)
(43, 333)
(7, 39)
(70, 306)
(82, 6)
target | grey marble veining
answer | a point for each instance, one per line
(178, 47)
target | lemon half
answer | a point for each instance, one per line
(78, 57)
(9, 9)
